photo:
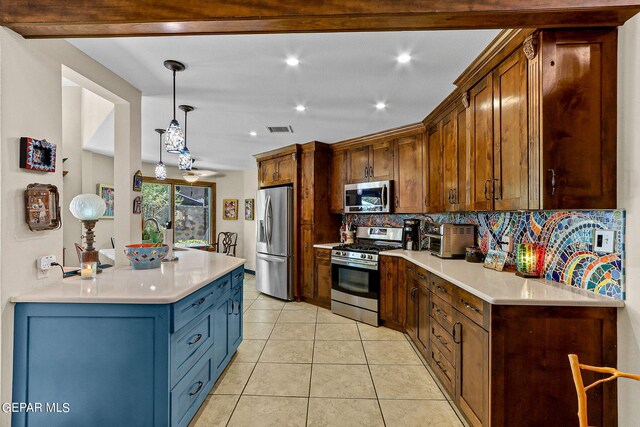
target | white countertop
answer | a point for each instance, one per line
(123, 285)
(504, 288)
(326, 245)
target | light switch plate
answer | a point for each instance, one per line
(604, 241)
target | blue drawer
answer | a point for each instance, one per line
(189, 344)
(185, 310)
(237, 277)
(190, 392)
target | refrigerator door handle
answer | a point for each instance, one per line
(271, 258)
(269, 220)
(266, 220)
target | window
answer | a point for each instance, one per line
(191, 205)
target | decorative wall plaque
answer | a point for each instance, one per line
(38, 155)
(42, 207)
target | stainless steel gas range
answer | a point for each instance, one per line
(355, 273)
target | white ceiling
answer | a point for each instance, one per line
(241, 83)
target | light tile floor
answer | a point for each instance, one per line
(300, 365)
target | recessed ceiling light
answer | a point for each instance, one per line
(292, 61)
(300, 108)
(381, 106)
(253, 133)
(403, 58)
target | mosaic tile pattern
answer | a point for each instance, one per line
(567, 235)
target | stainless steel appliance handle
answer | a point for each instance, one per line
(269, 222)
(367, 265)
(270, 258)
(383, 197)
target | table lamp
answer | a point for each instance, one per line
(530, 260)
(88, 208)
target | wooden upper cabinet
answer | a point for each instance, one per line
(408, 179)
(510, 139)
(481, 144)
(373, 162)
(307, 188)
(462, 199)
(338, 179)
(578, 102)
(434, 198)
(358, 164)
(451, 160)
(381, 161)
(276, 171)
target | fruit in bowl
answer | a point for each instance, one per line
(144, 256)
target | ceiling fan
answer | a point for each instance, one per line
(194, 174)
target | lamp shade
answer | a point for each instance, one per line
(184, 160)
(174, 138)
(87, 207)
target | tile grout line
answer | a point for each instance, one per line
(370, 374)
(315, 329)
(252, 370)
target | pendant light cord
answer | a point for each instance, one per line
(174, 94)
(160, 147)
(185, 129)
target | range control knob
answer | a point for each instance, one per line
(369, 256)
(363, 256)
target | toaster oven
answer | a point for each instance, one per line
(450, 240)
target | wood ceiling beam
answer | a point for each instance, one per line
(100, 18)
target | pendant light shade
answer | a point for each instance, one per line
(185, 161)
(161, 169)
(174, 136)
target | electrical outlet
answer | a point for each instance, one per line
(604, 241)
(43, 265)
(507, 244)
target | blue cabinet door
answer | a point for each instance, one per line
(221, 313)
(235, 320)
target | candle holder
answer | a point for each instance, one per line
(88, 270)
(529, 260)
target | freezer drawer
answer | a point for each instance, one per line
(273, 275)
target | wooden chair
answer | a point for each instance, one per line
(79, 250)
(581, 390)
(226, 243)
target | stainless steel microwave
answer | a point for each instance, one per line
(368, 197)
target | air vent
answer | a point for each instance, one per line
(280, 129)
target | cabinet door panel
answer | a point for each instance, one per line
(268, 172)
(388, 277)
(510, 152)
(381, 161)
(358, 164)
(423, 319)
(462, 133)
(408, 182)
(472, 370)
(235, 320)
(307, 187)
(579, 119)
(220, 332)
(338, 179)
(450, 143)
(323, 280)
(481, 161)
(307, 260)
(285, 169)
(435, 194)
(412, 304)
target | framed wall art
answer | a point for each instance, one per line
(249, 209)
(137, 205)
(42, 207)
(137, 181)
(230, 209)
(37, 155)
(107, 193)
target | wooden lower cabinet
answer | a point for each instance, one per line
(506, 365)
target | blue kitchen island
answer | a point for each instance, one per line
(130, 348)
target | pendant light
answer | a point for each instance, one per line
(174, 137)
(184, 158)
(161, 169)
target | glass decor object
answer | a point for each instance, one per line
(174, 136)
(87, 207)
(530, 260)
(161, 169)
(88, 270)
(185, 161)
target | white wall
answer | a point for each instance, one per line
(31, 105)
(250, 190)
(629, 199)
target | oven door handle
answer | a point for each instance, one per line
(367, 265)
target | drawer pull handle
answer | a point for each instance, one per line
(441, 313)
(200, 301)
(469, 306)
(441, 289)
(196, 339)
(238, 307)
(422, 276)
(455, 328)
(444, 371)
(439, 338)
(196, 391)
(232, 309)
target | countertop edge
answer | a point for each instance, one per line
(594, 300)
(326, 245)
(28, 298)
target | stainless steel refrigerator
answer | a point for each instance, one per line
(274, 243)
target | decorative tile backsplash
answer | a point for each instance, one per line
(567, 235)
